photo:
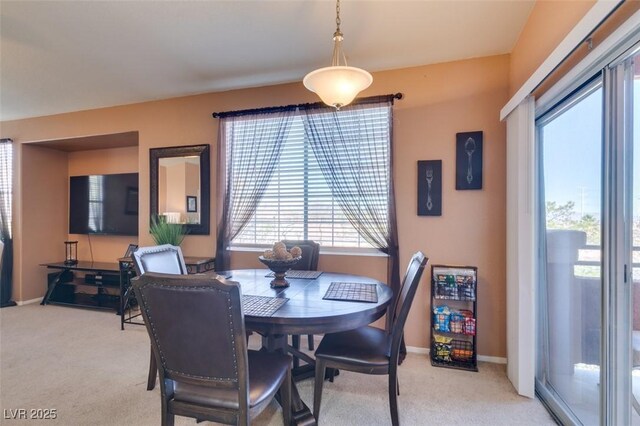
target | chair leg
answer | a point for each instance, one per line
(317, 390)
(285, 398)
(393, 396)
(153, 371)
(167, 417)
(398, 386)
(295, 342)
(311, 342)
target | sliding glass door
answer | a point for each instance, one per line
(629, 70)
(570, 143)
(589, 250)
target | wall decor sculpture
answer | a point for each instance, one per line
(469, 160)
(430, 188)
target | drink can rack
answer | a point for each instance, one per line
(454, 316)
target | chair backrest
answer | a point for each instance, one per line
(164, 259)
(310, 254)
(196, 328)
(405, 299)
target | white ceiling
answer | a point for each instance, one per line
(68, 56)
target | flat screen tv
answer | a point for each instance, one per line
(104, 204)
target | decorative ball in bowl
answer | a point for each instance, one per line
(279, 268)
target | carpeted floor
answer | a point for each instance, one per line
(79, 363)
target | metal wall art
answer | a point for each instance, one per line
(430, 188)
(469, 160)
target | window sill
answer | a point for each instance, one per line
(331, 251)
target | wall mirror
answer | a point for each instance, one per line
(180, 186)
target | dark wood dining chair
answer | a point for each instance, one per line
(166, 259)
(371, 350)
(309, 262)
(197, 333)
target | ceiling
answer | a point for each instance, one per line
(75, 55)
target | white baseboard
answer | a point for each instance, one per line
(484, 358)
(493, 359)
(29, 302)
(417, 350)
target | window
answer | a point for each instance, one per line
(6, 182)
(96, 203)
(298, 203)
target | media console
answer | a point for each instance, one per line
(87, 284)
(103, 285)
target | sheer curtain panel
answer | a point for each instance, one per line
(6, 185)
(249, 149)
(355, 154)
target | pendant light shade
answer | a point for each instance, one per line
(339, 84)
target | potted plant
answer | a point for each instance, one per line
(163, 232)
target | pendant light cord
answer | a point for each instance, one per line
(337, 41)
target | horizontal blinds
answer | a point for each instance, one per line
(96, 203)
(297, 203)
(6, 183)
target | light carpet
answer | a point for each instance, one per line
(78, 362)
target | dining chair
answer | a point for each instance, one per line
(165, 259)
(197, 332)
(371, 350)
(309, 262)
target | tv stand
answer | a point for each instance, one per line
(86, 284)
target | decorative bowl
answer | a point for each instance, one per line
(279, 268)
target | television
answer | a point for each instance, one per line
(104, 204)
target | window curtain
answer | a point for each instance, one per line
(6, 187)
(343, 141)
(249, 148)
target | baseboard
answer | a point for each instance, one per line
(29, 302)
(484, 358)
(417, 350)
(493, 359)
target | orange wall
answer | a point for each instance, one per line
(440, 100)
(547, 26)
(43, 224)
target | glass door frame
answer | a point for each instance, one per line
(617, 241)
(561, 411)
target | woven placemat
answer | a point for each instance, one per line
(262, 306)
(306, 275)
(352, 292)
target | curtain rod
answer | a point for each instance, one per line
(315, 105)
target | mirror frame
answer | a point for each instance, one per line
(203, 151)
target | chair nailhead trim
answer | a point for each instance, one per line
(155, 337)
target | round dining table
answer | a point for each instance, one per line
(306, 312)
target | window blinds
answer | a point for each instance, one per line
(6, 180)
(298, 203)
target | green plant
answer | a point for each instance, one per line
(166, 233)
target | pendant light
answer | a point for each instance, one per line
(339, 84)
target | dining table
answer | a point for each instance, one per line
(306, 312)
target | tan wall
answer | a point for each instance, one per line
(440, 100)
(175, 189)
(44, 222)
(547, 26)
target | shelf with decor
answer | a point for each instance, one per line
(454, 316)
